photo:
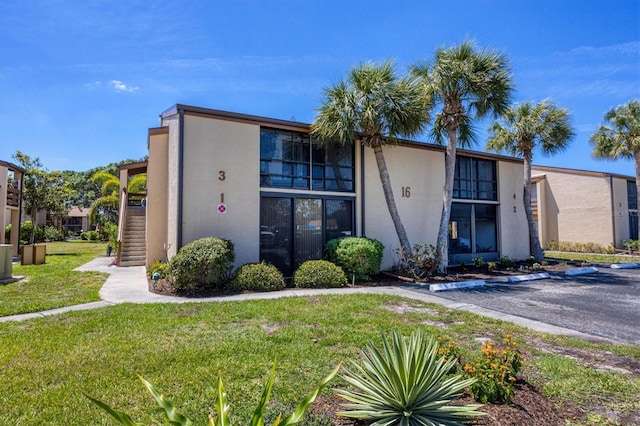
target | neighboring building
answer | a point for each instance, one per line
(266, 186)
(10, 199)
(76, 220)
(584, 207)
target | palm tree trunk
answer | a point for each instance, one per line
(391, 202)
(636, 162)
(534, 238)
(447, 197)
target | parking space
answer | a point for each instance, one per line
(605, 304)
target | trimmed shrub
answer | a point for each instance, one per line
(319, 274)
(51, 233)
(25, 233)
(258, 276)
(202, 266)
(579, 247)
(90, 236)
(361, 256)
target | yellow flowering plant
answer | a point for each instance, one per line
(495, 371)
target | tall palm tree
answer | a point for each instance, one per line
(521, 129)
(106, 207)
(620, 136)
(469, 84)
(374, 107)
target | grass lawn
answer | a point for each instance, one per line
(591, 257)
(47, 363)
(54, 284)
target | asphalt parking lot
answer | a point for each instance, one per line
(604, 304)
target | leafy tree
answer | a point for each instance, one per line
(619, 137)
(523, 128)
(468, 84)
(41, 190)
(105, 209)
(374, 107)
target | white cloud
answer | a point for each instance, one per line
(121, 87)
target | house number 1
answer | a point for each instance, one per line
(406, 192)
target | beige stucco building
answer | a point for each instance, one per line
(584, 207)
(266, 186)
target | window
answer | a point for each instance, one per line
(296, 229)
(475, 179)
(293, 160)
(472, 230)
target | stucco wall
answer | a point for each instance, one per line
(578, 208)
(221, 165)
(421, 172)
(157, 196)
(513, 231)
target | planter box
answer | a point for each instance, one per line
(33, 254)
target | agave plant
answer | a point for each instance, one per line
(222, 406)
(405, 383)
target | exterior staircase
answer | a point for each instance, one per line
(134, 245)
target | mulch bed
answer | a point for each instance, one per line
(529, 407)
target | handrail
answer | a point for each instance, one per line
(121, 222)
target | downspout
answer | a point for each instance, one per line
(613, 211)
(362, 219)
(180, 174)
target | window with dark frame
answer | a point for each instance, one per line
(292, 160)
(475, 179)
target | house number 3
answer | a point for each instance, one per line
(222, 175)
(406, 192)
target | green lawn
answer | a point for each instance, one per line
(47, 363)
(54, 284)
(590, 257)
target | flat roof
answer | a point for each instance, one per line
(305, 127)
(579, 172)
(11, 166)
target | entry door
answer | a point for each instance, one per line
(309, 230)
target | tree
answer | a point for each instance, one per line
(523, 128)
(469, 84)
(41, 189)
(105, 209)
(373, 107)
(619, 137)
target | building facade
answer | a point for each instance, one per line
(581, 206)
(279, 196)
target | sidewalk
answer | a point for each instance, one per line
(129, 285)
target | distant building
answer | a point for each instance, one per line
(267, 186)
(584, 207)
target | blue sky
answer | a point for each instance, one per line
(82, 81)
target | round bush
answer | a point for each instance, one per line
(319, 274)
(202, 266)
(258, 276)
(356, 255)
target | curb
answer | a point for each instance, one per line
(456, 285)
(581, 271)
(630, 265)
(528, 277)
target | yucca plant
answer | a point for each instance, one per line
(222, 406)
(405, 383)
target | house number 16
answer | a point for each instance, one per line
(406, 192)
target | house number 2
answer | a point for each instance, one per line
(406, 192)
(222, 175)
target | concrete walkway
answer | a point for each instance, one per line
(129, 285)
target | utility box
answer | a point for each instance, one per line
(26, 255)
(6, 257)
